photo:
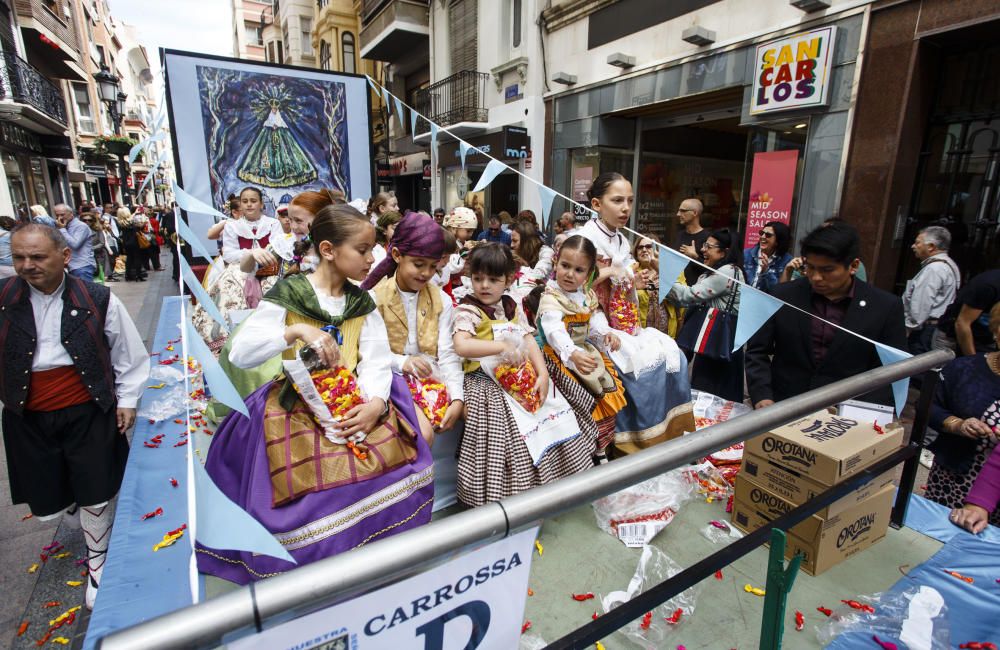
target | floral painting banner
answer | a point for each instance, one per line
(281, 129)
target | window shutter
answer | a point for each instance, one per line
(462, 23)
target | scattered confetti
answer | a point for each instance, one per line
(73, 583)
(525, 627)
(150, 515)
(582, 597)
(594, 616)
(170, 538)
(853, 604)
(65, 618)
(23, 628)
(675, 618)
(978, 645)
(156, 386)
(879, 430)
(598, 646)
(61, 556)
(756, 591)
(531, 592)
(45, 639)
(27, 517)
(885, 645)
(719, 525)
(647, 619)
(800, 621)
(956, 574)
(718, 574)
(52, 603)
(33, 568)
(173, 481)
(539, 548)
(61, 640)
(825, 611)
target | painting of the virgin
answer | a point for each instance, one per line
(278, 133)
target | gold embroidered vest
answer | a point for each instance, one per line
(429, 307)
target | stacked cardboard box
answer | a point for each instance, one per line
(790, 465)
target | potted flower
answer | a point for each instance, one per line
(115, 144)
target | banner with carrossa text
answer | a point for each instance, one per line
(475, 601)
(772, 186)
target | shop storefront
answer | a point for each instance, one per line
(34, 169)
(410, 178)
(694, 129)
(511, 145)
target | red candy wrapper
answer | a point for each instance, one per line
(519, 382)
(339, 390)
(430, 395)
(623, 307)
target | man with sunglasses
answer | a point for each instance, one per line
(692, 237)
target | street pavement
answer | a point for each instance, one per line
(23, 540)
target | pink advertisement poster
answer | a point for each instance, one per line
(772, 186)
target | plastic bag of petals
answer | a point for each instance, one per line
(916, 617)
(429, 393)
(328, 392)
(638, 513)
(623, 306)
(513, 371)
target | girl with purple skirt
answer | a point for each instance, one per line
(319, 497)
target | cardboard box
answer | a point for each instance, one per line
(796, 488)
(758, 505)
(827, 542)
(824, 447)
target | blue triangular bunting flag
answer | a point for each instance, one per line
(191, 204)
(191, 281)
(371, 82)
(413, 122)
(492, 170)
(434, 137)
(546, 195)
(755, 308)
(901, 387)
(189, 237)
(463, 149)
(399, 111)
(224, 525)
(222, 388)
(672, 264)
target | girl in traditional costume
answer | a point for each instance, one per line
(649, 363)
(256, 238)
(510, 443)
(573, 332)
(316, 494)
(418, 317)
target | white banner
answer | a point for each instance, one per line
(475, 601)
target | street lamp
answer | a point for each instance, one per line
(109, 91)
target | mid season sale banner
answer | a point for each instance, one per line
(772, 186)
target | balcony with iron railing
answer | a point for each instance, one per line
(392, 30)
(457, 102)
(22, 84)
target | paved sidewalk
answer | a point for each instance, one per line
(21, 541)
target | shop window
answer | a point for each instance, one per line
(324, 55)
(84, 112)
(305, 25)
(347, 51)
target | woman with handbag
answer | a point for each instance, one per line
(132, 238)
(709, 326)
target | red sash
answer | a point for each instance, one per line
(58, 388)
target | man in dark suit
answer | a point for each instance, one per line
(794, 353)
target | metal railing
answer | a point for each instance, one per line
(458, 98)
(22, 83)
(344, 576)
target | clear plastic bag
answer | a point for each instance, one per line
(654, 567)
(329, 394)
(512, 370)
(168, 402)
(429, 393)
(623, 305)
(531, 641)
(915, 618)
(638, 513)
(720, 532)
